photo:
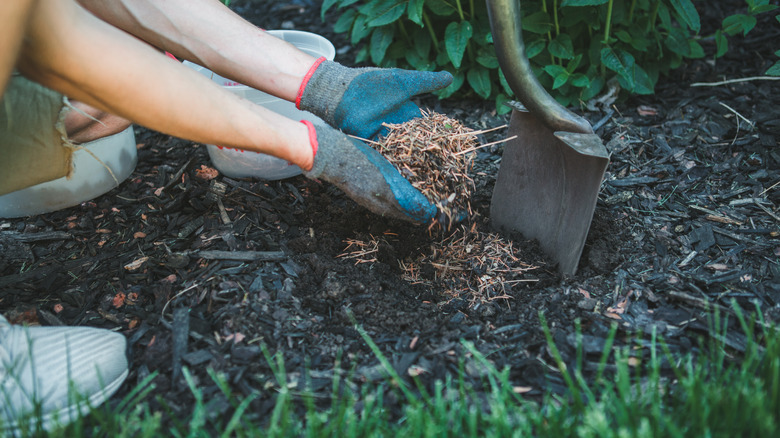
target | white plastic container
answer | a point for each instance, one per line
(237, 163)
(89, 180)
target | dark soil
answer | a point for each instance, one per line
(687, 222)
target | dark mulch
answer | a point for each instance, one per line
(687, 222)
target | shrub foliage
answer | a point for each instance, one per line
(576, 47)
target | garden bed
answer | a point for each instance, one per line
(204, 273)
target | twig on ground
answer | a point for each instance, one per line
(734, 81)
(769, 212)
(752, 125)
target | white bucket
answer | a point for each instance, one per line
(237, 163)
(89, 180)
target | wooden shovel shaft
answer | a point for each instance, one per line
(507, 37)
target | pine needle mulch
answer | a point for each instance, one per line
(436, 153)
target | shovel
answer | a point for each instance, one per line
(550, 175)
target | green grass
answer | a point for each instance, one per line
(638, 392)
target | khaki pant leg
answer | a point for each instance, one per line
(34, 147)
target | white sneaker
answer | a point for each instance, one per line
(55, 374)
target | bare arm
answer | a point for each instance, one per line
(75, 53)
(16, 15)
(209, 34)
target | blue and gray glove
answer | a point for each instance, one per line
(358, 100)
(365, 176)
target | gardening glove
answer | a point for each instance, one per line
(358, 100)
(365, 175)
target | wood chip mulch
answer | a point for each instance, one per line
(212, 272)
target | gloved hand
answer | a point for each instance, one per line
(365, 175)
(358, 100)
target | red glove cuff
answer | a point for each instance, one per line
(312, 137)
(306, 80)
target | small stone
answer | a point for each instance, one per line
(587, 303)
(619, 197)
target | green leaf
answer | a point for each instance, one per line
(696, 50)
(638, 81)
(457, 81)
(589, 17)
(488, 59)
(479, 79)
(456, 38)
(562, 47)
(418, 62)
(344, 23)
(624, 36)
(442, 58)
(554, 70)
(504, 84)
(596, 85)
(640, 44)
(441, 7)
(359, 29)
(677, 42)
(579, 80)
(422, 43)
(380, 41)
(572, 65)
(737, 23)
(618, 61)
(665, 16)
(383, 12)
(396, 51)
(560, 80)
(558, 73)
(415, 11)
(687, 12)
(721, 43)
(535, 47)
(325, 6)
(501, 106)
(538, 22)
(361, 55)
(774, 70)
(583, 2)
(762, 8)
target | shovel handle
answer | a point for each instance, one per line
(507, 37)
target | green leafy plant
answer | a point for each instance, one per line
(575, 46)
(774, 70)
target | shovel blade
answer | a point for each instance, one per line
(547, 187)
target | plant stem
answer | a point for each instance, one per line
(460, 10)
(609, 22)
(428, 24)
(555, 17)
(631, 12)
(653, 16)
(549, 35)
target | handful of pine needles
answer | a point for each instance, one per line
(433, 153)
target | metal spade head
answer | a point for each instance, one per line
(550, 175)
(547, 187)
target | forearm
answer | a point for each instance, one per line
(208, 33)
(72, 52)
(16, 15)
